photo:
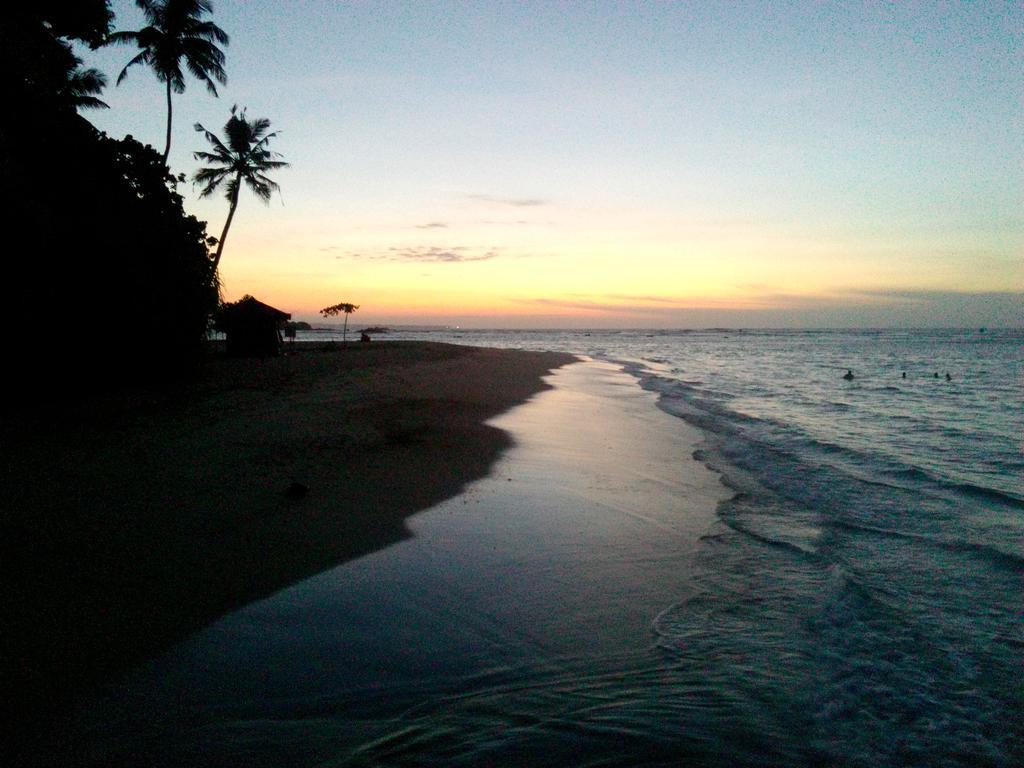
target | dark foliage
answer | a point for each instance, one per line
(112, 281)
(35, 58)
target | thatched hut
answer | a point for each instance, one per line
(253, 329)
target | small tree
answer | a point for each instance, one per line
(335, 310)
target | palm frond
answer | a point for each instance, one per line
(210, 157)
(177, 80)
(90, 102)
(272, 165)
(122, 38)
(206, 175)
(259, 127)
(82, 87)
(141, 58)
(214, 139)
(211, 32)
(149, 8)
(207, 71)
(210, 85)
(261, 186)
(176, 32)
(210, 179)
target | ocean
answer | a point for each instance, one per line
(857, 599)
(870, 571)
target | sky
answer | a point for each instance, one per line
(616, 164)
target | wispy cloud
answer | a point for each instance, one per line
(441, 255)
(517, 202)
(674, 301)
(425, 254)
(432, 225)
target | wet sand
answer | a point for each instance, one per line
(519, 624)
(131, 521)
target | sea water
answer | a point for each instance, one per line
(857, 600)
(866, 589)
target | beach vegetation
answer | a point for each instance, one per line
(177, 38)
(242, 156)
(83, 87)
(344, 308)
(109, 234)
(37, 63)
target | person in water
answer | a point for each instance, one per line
(848, 375)
(948, 377)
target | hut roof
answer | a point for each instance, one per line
(248, 311)
(249, 308)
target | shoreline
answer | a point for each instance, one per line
(535, 592)
(134, 521)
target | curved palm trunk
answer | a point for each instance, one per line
(167, 146)
(227, 224)
(344, 333)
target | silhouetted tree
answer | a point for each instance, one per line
(242, 156)
(36, 59)
(177, 35)
(110, 240)
(335, 309)
(112, 284)
(82, 88)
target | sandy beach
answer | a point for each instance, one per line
(680, 558)
(532, 600)
(132, 520)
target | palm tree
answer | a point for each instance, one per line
(334, 309)
(177, 34)
(82, 87)
(242, 156)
